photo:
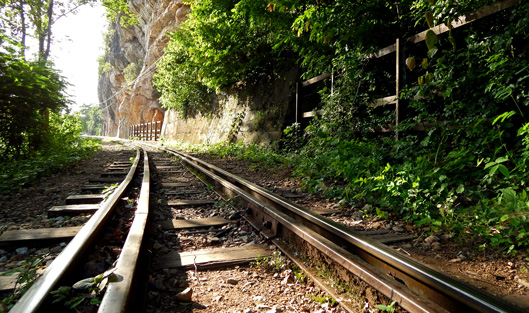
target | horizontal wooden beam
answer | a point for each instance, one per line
(383, 101)
(316, 79)
(312, 113)
(442, 28)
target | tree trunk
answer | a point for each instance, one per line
(23, 27)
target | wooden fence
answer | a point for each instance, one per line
(399, 49)
(146, 131)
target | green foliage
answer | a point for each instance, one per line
(131, 71)
(29, 93)
(120, 10)
(91, 119)
(222, 42)
(16, 175)
(26, 277)
(387, 308)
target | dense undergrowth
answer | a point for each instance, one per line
(38, 135)
(18, 175)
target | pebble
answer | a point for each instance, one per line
(232, 281)
(436, 246)
(357, 215)
(398, 229)
(430, 239)
(59, 219)
(3, 259)
(22, 250)
(185, 296)
(3, 252)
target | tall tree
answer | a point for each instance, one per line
(35, 18)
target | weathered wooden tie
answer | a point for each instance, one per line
(189, 202)
(84, 199)
(74, 209)
(213, 257)
(38, 235)
(194, 223)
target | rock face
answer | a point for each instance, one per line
(127, 97)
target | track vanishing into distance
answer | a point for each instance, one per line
(129, 245)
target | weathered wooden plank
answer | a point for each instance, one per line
(94, 187)
(383, 101)
(182, 192)
(212, 258)
(110, 180)
(84, 199)
(194, 223)
(442, 28)
(315, 79)
(114, 174)
(8, 282)
(74, 209)
(313, 113)
(189, 202)
(121, 164)
(39, 234)
(168, 167)
(169, 185)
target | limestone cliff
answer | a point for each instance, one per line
(253, 114)
(133, 52)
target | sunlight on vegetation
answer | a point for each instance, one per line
(466, 173)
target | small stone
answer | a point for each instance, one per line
(357, 215)
(232, 281)
(259, 299)
(234, 216)
(243, 233)
(219, 298)
(436, 246)
(185, 296)
(62, 244)
(59, 219)
(398, 229)
(3, 259)
(431, 239)
(22, 250)
(3, 252)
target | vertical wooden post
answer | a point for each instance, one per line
(397, 86)
(297, 100)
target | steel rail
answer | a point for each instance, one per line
(445, 291)
(118, 295)
(35, 296)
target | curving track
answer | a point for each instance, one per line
(295, 230)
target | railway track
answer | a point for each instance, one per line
(193, 229)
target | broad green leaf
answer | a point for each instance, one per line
(502, 159)
(493, 169)
(460, 188)
(429, 18)
(431, 39)
(424, 63)
(504, 218)
(432, 52)
(410, 62)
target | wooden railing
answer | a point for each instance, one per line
(399, 49)
(146, 131)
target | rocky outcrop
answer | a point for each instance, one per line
(126, 93)
(253, 114)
